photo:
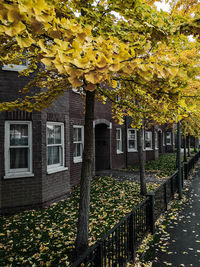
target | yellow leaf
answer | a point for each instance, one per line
(101, 62)
(24, 42)
(75, 82)
(114, 83)
(13, 15)
(90, 87)
(47, 61)
(93, 77)
(15, 29)
(114, 67)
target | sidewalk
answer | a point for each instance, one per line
(180, 245)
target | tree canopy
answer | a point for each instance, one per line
(86, 45)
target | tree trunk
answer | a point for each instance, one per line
(86, 174)
(185, 146)
(189, 154)
(143, 189)
(195, 144)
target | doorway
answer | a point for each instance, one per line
(102, 147)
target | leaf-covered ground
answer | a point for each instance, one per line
(46, 237)
(165, 165)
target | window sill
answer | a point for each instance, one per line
(19, 175)
(77, 160)
(58, 169)
(148, 149)
(132, 150)
(119, 152)
(14, 67)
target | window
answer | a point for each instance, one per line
(148, 140)
(55, 147)
(119, 140)
(18, 149)
(156, 140)
(132, 140)
(78, 143)
(168, 138)
(163, 138)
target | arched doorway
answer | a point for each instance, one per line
(102, 147)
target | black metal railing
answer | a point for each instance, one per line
(118, 246)
(188, 166)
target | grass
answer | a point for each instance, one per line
(46, 237)
(165, 165)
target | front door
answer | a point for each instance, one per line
(102, 147)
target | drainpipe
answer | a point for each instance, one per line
(126, 150)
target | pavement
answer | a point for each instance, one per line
(180, 242)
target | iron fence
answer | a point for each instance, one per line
(118, 246)
(188, 166)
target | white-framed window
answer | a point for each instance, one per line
(156, 140)
(55, 147)
(78, 143)
(18, 149)
(119, 140)
(132, 140)
(148, 140)
(168, 138)
(163, 138)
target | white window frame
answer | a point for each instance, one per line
(20, 172)
(170, 141)
(156, 140)
(79, 158)
(131, 149)
(119, 151)
(163, 138)
(59, 166)
(173, 138)
(148, 148)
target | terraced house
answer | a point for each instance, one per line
(41, 152)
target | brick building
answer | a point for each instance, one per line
(41, 152)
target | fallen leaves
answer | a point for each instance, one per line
(46, 237)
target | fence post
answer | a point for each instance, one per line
(185, 170)
(151, 197)
(165, 195)
(131, 236)
(182, 176)
(99, 258)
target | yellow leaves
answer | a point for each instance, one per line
(15, 29)
(75, 82)
(92, 77)
(101, 62)
(115, 67)
(24, 42)
(47, 61)
(13, 15)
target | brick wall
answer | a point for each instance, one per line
(17, 194)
